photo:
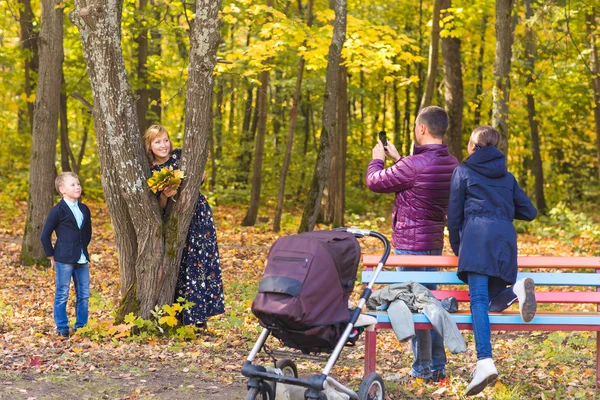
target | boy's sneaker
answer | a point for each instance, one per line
(525, 291)
(484, 374)
(64, 334)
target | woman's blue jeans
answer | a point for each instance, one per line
(482, 288)
(427, 346)
(81, 278)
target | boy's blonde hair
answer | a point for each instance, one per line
(60, 179)
(152, 133)
(485, 136)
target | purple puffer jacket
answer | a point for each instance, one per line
(422, 186)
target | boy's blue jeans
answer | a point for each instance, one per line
(428, 346)
(81, 278)
(482, 288)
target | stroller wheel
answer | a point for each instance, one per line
(265, 392)
(371, 388)
(288, 367)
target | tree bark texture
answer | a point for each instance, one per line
(453, 94)
(432, 65)
(595, 69)
(259, 145)
(290, 137)
(29, 44)
(312, 206)
(501, 91)
(337, 185)
(149, 248)
(45, 131)
(538, 171)
(480, 66)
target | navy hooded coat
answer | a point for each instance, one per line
(484, 200)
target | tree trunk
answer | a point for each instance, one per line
(501, 91)
(337, 193)
(432, 65)
(538, 171)
(66, 155)
(259, 145)
(312, 206)
(154, 85)
(290, 137)
(595, 69)
(217, 132)
(143, 94)
(480, 66)
(29, 44)
(407, 128)
(149, 248)
(245, 139)
(397, 116)
(453, 81)
(45, 131)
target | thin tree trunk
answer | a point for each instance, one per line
(245, 139)
(501, 91)
(66, 155)
(453, 81)
(538, 171)
(45, 131)
(480, 66)
(218, 131)
(306, 112)
(154, 92)
(595, 69)
(259, 145)
(29, 44)
(312, 206)
(149, 248)
(231, 117)
(143, 94)
(290, 138)
(397, 116)
(419, 86)
(432, 65)
(407, 126)
(338, 184)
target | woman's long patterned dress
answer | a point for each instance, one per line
(199, 278)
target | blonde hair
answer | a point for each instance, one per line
(60, 179)
(485, 136)
(152, 133)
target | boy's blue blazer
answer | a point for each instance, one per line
(70, 240)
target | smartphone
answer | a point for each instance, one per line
(383, 138)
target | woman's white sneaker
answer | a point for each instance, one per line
(484, 374)
(525, 291)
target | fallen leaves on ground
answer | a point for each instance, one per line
(36, 362)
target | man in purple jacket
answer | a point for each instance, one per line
(421, 183)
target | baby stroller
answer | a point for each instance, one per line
(303, 301)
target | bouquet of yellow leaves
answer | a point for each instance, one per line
(165, 177)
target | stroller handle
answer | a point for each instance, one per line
(359, 233)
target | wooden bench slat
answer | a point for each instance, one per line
(540, 297)
(450, 278)
(509, 327)
(592, 319)
(370, 260)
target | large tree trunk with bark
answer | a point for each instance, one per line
(453, 94)
(259, 145)
(149, 246)
(312, 206)
(595, 69)
(337, 181)
(538, 171)
(290, 138)
(501, 91)
(432, 66)
(45, 131)
(29, 44)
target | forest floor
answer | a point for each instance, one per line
(36, 364)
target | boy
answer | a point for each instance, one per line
(72, 223)
(421, 183)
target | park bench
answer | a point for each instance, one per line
(574, 273)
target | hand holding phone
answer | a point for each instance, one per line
(383, 138)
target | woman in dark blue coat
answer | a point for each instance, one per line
(484, 200)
